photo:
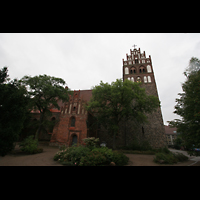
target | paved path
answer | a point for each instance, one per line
(41, 159)
(147, 160)
(195, 159)
(46, 159)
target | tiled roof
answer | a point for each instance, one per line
(169, 130)
(85, 95)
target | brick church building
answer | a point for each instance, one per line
(75, 123)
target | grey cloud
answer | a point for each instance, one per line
(82, 60)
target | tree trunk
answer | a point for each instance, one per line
(114, 141)
(40, 126)
(38, 132)
(125, 132)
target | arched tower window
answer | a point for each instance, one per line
(149, 69)
(149, 79)
(145, 79)
(133, 70)
(73, 120)
(126, 70)
(142, 69)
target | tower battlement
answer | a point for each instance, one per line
(138, 68)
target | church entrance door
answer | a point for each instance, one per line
(74, 139)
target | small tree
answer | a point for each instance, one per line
(112, 102)
(178, 142)
(13, 110)
(44, 92)
(188, 106)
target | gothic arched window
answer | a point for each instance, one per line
(133, 70)
(126, 70)
(73, 119)
(149, 69)
(145, 79)
(149, 79)
(142, 69)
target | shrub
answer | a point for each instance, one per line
(180, 157)
(91, 142)
(84, 156)
(108, 153)
(169, 157)
(166, 158)
(165, 150)
(178, 142)
(112, 156)
(29, 145)
(71, 155)
(119, 158)
(93, 159)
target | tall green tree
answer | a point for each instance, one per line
(13, 110)
(188, 106)
(112, 102)
(44, 92)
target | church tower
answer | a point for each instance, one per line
(138, 68)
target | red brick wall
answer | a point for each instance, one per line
(63, 132)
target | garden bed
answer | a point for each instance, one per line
(84, 156)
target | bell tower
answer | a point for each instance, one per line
(138, 68)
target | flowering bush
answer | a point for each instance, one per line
(90, 155)
(71, 155)
(91, 142)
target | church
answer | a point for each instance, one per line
(75, 123)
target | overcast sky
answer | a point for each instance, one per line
(84, 59)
